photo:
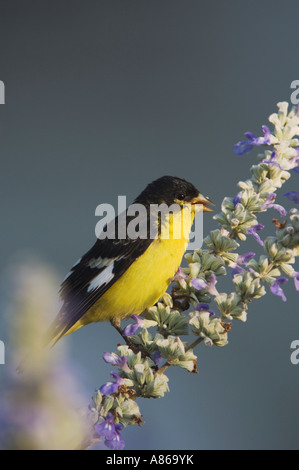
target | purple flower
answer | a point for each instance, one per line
(111, 433)
(112, 387)
(268, 204)
(267, 133)
(201, 284)
(292, 196)
(295, 276)
(252, 231)
(295, 162)
(204, 307)
(273, 161)
(133, 327)
(237, 270)
(277, 290)
(115, 360)
(244, 146)
(156, 357)
(197, 283)
(211, 287)
(180, 276)
(118, 442)
(107, 428)
(237, 199)
(244, 259)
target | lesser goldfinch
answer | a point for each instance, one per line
(120, 277)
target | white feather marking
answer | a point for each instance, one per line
(103, 278)
(100, 262)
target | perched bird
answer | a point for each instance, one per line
(120, 277)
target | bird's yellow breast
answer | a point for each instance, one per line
(148, 277)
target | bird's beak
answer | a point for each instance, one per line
(204, 201)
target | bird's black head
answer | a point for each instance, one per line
(169, 190)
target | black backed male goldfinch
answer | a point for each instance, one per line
(122, 276)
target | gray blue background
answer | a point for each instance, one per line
(104, 96)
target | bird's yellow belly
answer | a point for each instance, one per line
(148, 277)
(141, 286)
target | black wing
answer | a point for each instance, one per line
(92, 276)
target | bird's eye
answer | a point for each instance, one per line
(180, 196)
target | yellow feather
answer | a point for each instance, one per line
(148, 277)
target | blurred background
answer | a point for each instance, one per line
(104, 96)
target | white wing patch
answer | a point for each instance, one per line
(103, 278)
(100, 262)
